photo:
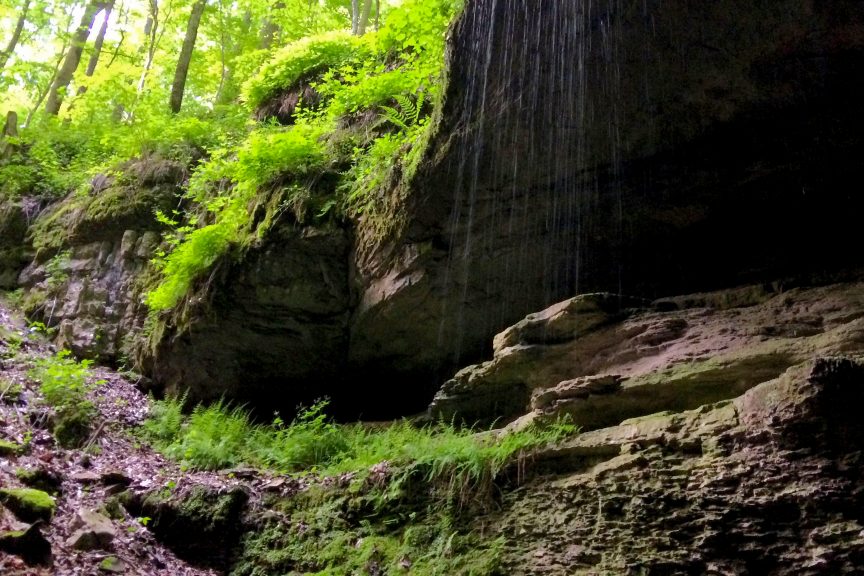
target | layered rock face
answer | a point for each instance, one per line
(644, 148)
(85, 280)
(721, 434)
(769, 483)
(601, 360)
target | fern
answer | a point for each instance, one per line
(408, 113)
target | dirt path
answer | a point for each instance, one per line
(85, 479)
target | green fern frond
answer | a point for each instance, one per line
(395, 116)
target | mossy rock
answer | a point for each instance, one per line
(114, 204)
(8, 448)
(28, 504)
(113, 565)
(40, 478)
(201, 524)
(29, 544)
(71, 424)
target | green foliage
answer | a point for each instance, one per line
(164, 423)
(309, 441)
(304, 59)
(460, 461)
(376, 94)
(56, 158)
(213, 437)
(193, 257)
(409, 111)
(267, 154)
(65, 383)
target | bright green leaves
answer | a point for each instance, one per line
(418, 25)
(194, 256)
(64, 384)
(315, 54)
(266, 154)
(373, 99)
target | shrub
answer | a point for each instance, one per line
(304, 58)
(64, 384)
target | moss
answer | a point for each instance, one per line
(112, 564)
(71, 424)
(51, 231)
(200, 524)
(8, 448)
(40, 478)
(10, 391)
(120, 208)
(28, 504)
(361, 529)
(127, 200)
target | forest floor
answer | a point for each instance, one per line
(83, 479)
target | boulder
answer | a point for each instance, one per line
(275, 332)
(91, 531)
(28, 504)
(41, 477)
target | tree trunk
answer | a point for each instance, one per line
(16, 35)
(355, 16)
(97, 45)
(73, 58)
(44, 91)
(100, 39)
(186, 55)
(364, 18)
(270, 30)
(151, 28)
(377, 15)
(7, 149)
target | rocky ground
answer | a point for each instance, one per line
(721, 434)
(88, 532)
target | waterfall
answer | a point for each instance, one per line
(538, 85)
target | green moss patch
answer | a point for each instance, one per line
(8, 448)
(201, 524)
(366, 529)
(28, 504)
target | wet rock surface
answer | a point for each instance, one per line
(647, 148)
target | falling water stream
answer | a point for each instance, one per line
(539, 84)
